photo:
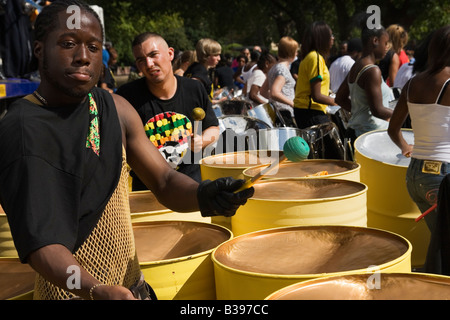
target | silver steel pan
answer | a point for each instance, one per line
(231, 107)
(263, 112)
(275, 138)
(237, 133)
(324, 141)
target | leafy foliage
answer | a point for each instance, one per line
(260, 22)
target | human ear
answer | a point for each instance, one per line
(37, 50)
(375, 42)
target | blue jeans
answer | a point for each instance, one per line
(423, 188)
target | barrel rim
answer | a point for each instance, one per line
(217, 263)
(187, 257)
(311, 282)
(309, 180)
(366, 157)
(237, 167)
(357, 167)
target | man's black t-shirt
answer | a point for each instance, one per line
(169, 123)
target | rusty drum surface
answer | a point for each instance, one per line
(254, 265)
(314, 168)
(16, 280)
(175, 257)
(381, 286)
(292, 202)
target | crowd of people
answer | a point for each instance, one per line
(152, 125)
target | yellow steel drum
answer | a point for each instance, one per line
(389, 206)
(314, 168)
(256, 264)
(232, 165)
(16, 279)
(295, 202)
(175, 257)
(145, 207)
(7, 247)
(376, 286)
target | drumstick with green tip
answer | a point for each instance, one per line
(295, 149)
(198, 114)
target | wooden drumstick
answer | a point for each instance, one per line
(198, 114)
(295, 149)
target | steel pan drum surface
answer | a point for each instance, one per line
(389, 205)
(389, 286)
(175, 257)
(16, 279)
(299, 202)
(232, 164)
(275, 138)
(338, 169)
(254, 265)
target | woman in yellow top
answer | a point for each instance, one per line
(313, 84)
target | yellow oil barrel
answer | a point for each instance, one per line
(295, 202)
(145, 207)
(313, 168)
(233, 164)
(254, 265)
(175, 257)
(16, 279)
(7, 247)
(374, 286)
(389, 206)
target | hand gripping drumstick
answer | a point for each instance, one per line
(198, 114)
(295, 149)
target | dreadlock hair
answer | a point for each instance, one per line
(46, 22)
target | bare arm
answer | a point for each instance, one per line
(53, 262)
(146, 161)
(398, 118)
(253, 94)
(317, 95)
(265, 90)
(371, 82)
(342, 96)
(276, 94)
(208, 137)
(393, 67)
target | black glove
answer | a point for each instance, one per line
(217, 197)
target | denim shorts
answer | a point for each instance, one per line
(423, 187)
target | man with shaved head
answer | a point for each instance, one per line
(165, 103)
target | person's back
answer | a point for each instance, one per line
(362, 120)
(428, 99)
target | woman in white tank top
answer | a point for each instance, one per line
(426, 98)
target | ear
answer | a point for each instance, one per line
(38, 49)
(171, 52)
(375, 42)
